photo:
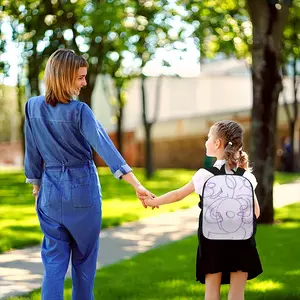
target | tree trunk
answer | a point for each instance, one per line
(148, 147)
(120, 120)
(33, 75)
(295, 148)
(147, 127)
(22, 118)
(86, 93)
(268, 23)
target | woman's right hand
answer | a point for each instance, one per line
(142, 193)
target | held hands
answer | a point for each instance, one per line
(144, 194)
(149, 201)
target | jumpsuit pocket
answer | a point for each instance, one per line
(81, 195)
(44, 195)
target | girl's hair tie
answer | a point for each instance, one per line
(230, 143)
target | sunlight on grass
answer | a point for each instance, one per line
(294, 272)
(264, 286)
(19, 222)
(282, 178)
(168, 272)
(285, 214)
(172, 284)
(289, 225)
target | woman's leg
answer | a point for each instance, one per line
(212, 286)
(84, 253)
(83, 273)
(238, 282)
(55, 255)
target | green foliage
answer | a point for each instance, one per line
(291, 47)
(98, 30)
(225, 27)
(220, 27)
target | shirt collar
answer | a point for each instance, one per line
(219, 163)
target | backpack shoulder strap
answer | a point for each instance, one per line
(239, 171)
(214, 170)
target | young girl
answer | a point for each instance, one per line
(59, 136)
(221, 261)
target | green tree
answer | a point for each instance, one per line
(88, 27)
(251, 30)
(41, 27)
(150, 27)
(113, 66)
(268, 20)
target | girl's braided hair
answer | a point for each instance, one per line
(231, 133)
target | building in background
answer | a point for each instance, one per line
(188, 107)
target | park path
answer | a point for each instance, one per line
(21, 271)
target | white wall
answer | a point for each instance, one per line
(181, 99)
(102, 96)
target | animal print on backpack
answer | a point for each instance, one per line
(228, 206)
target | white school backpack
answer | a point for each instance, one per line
(228, 206)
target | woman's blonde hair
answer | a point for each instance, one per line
(231, 133)
(60, 75)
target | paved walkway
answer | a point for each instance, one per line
(21, 271)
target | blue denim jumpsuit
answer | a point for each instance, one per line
(58, 157)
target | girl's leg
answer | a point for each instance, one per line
(238, 282)
(212, 286)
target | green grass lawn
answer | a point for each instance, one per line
(19, 225)
(282, 177)
(168, 272)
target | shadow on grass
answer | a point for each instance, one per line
(21, 229)
(19, 237)
(289, 213)
(116, 221)
(168, 272)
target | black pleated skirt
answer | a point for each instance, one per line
(214, 256)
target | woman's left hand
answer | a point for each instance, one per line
(35, 193)
(36, 198)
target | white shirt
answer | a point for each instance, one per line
(202, 175)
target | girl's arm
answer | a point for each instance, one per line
(172, 196)
(256, 207)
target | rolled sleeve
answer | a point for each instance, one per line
(33, 162)
(122, 171)
(34, 181)
(97, 137)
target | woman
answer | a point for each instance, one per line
(59, 136)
